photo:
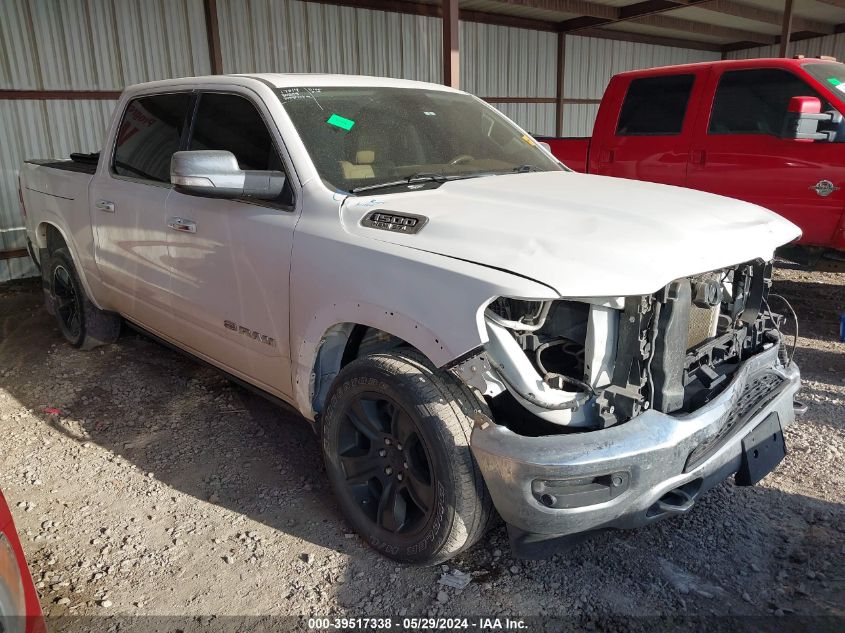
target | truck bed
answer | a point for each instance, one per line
(57, 178)
(56, 192)
(571, 151)
(66, 165)
(80, 163)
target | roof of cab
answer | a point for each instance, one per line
(294, 80)
(770, 62)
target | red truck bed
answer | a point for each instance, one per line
(572, 151)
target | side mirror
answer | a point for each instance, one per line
(545, 146)
(216, 174)
(803, 116)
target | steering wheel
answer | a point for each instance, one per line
(463, 159)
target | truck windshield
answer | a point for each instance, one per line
(829, 73)
(367, 138)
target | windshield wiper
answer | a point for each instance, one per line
(406, 181)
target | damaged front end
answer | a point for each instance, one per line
(596, 363)
(615, 412)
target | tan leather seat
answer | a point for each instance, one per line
(362, 167)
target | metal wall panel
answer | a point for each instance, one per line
(96, 45)
(591, 62)
(535, 118)
(295, 37)
(80, 45)
(833, 45)
(39, 129)
(578, 118)
(500, 61)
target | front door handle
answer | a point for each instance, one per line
(182, 225)
(105, 205)
(698, 157)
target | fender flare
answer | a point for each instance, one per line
(41, 246)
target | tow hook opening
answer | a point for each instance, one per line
(799, 407)
(577, 493)
(677, 501)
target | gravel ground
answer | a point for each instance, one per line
(145, 484)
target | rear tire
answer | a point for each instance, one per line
(82, 323)
(395, 439)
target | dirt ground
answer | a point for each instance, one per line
(145, 484)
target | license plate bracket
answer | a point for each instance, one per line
(762, 449)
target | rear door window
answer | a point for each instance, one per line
(655, 106)
(150, 132)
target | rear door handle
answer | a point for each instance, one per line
(105, 205)
(182, 225)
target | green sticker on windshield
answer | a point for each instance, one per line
(833, 81)
(342, 122)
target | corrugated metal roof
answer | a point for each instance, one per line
(656, 31)
(701, 14)
(698, 17)
(522, 11)
(814, 9)
(833, 45)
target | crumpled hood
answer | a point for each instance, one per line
(582, 235)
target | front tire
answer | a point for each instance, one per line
(395, 439)
(82, 323)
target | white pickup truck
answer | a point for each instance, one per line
(468, 324)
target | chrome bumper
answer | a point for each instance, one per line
(650, 467)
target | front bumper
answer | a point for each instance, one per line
(629, 475)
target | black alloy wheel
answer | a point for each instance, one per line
(83, 324)
(395, 436)
(386, 464)
(67, 302)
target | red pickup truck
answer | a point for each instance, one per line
(768, 131)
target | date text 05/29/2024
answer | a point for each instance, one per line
(418, 624)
